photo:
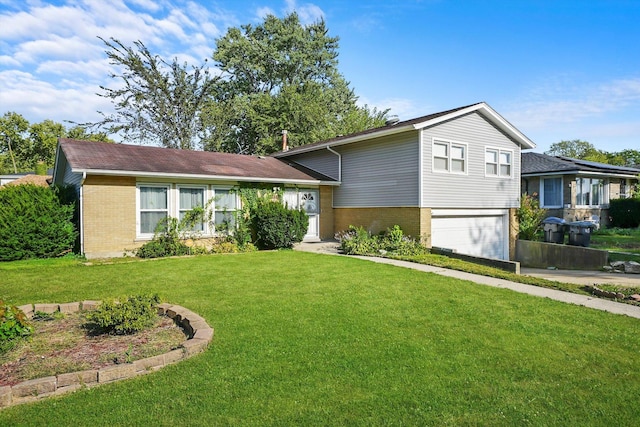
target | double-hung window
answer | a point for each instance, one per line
(591, 192)
(191, 198)
(551, 192)
(449, 157)
(498, 162)
(154, 207)
(225, 206)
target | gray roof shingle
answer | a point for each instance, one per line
(537, 163)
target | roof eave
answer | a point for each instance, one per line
(495, 118)
(165, 175)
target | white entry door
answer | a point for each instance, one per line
(307, 199)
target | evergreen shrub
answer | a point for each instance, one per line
(278, 227)
(34, 223)
(625, 213)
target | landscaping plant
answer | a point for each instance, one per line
(530, 216)
(14, 324)
(132, 314)
(359, 241)
(34, 223)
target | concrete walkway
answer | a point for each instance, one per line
(568, 297)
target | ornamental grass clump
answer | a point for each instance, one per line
(132, 314)
(14, 325)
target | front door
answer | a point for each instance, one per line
(309, 201)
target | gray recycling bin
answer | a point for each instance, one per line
(580, 233)
(554, 229)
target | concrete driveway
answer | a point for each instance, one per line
(584, 277)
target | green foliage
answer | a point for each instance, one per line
(166, 241)
(278, 227)
(34, 223)
(14, 324)
(359, 241)
(160, 101)
(530, 216)
(281, 74)
(132, 314)
(625, 213)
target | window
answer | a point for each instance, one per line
(225, 207)
(497, 162)
(449, 157)
(591, 192)
(154, 207)
(191, 198)
(551, 192)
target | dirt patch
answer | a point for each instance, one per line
(63, 344)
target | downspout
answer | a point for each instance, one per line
(80, 213)
(339, 162)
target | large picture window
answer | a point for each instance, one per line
(191, 198)
(154, 207)
(591, 192)
(449, 157)
(551, 192)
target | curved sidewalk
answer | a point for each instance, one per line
(568, 297)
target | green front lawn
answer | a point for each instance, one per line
(309, 339)
(624, 244)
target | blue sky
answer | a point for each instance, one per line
(557, 70)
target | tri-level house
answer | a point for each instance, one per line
(451, 179)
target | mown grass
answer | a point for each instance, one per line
(308, 339)
(622, 244)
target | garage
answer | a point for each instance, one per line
(477, 232)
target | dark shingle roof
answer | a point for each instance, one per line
(537, 163)
(101, 156)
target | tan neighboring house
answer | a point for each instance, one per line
(39, 180)
(451, 178)
(574, 189)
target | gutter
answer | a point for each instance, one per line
(339, 162)
(80, 213)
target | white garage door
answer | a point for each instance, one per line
(479, 235)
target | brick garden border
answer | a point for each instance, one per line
(199, 335)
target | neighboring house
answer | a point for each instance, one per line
(5, 179)
(576, 189)
(39, 180)
(451, 178)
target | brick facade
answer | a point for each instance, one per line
(414, 221)
(109, 216)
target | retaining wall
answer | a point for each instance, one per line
(565, 257)
(199, 335)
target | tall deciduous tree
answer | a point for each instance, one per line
(157, 101)
(282, 75)
(13, 134)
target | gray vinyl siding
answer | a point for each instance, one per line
(473, 190)
(71, 178)
(379, 172)
(323, 161)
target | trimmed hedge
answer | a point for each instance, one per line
(278, 227)
(625, 213)
(34, 223)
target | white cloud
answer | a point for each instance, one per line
(308, 12)
(553, 104)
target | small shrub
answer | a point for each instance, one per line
(625, 213)
(129, 316)
(166, 241)
(530, 216)
(14, 324)
(358, 241)
(278, 227)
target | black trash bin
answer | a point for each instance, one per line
(580, 233)
(554, 229)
